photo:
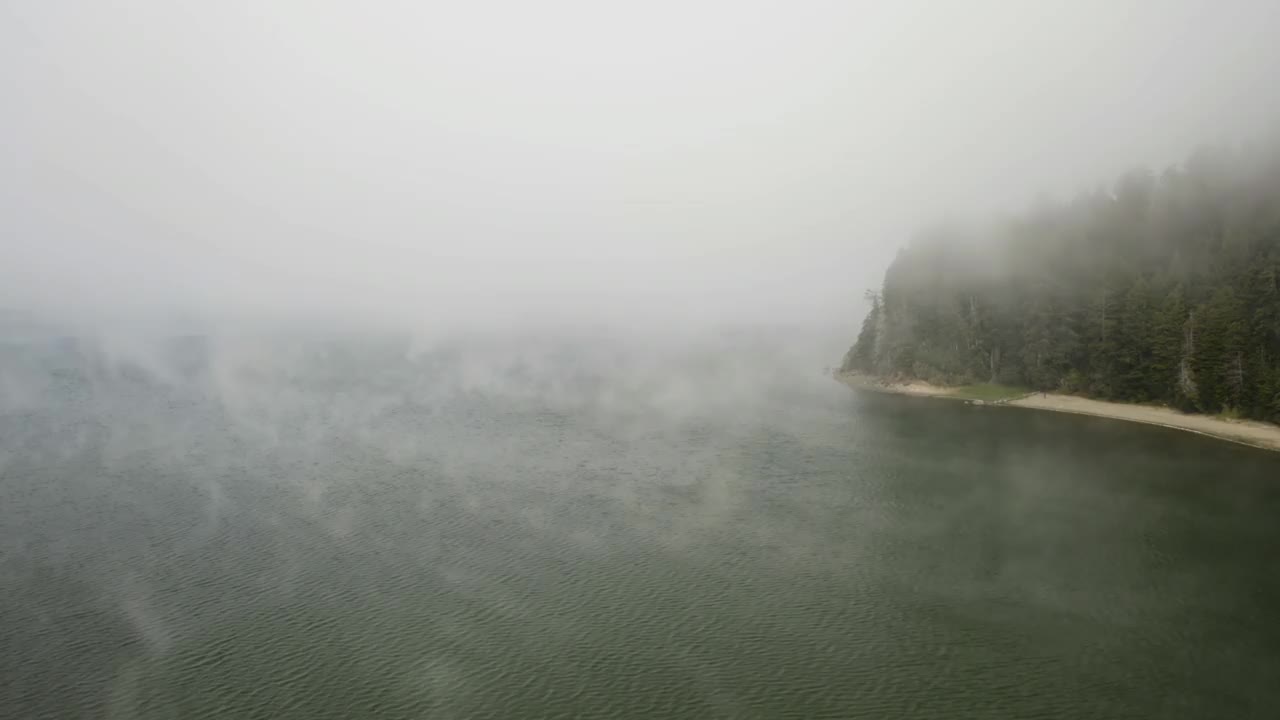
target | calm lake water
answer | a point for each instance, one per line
(199, 528)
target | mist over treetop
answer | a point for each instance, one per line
(1165, 289)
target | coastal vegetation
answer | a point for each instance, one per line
(1163, 289)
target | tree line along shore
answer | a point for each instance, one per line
(1160, 294)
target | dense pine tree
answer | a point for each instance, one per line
(1165, 290)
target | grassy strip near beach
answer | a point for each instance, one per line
(1257, 434)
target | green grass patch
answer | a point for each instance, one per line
(989, 392)
(1230, 413)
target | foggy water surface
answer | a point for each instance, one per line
(301, 527)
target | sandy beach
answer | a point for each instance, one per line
(1257, 434)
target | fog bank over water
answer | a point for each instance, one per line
(451, 360)
(249, 371)
(301, 524)
(508, 165)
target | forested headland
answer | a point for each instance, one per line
(1163, 289)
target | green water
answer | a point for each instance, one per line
(342, 535)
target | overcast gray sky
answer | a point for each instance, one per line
(488, 161)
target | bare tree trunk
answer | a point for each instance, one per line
(1186, 378)
(1237, 375)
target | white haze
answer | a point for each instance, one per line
(508, 164)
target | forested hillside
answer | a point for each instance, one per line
(1164, 289)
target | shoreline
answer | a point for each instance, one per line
(1260, 435)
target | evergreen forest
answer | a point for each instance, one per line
(1163, 289)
